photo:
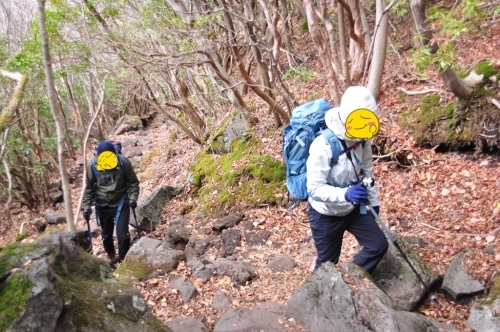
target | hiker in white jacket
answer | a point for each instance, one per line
(337, 195)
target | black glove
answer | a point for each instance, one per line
(376, 209)
(87, 212)
(132, 203)
(356, 193)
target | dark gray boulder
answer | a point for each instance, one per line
(240, 272)
(377, 311)
(55, 217)
(248, 320)
(325, 302)
(54, 285)
(397, 279)
(188, 324)
(149, 209)
(149, 258)
(458, 282)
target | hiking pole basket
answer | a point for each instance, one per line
(432, 296)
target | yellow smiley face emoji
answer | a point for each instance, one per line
(361, 124)
(106, 161)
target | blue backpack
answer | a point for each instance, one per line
(306, 123)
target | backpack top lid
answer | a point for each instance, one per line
(117, 144)
(106, 158)
(312, 112)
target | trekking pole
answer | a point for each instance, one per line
(432, 296)
(89, 235)
(136, 224)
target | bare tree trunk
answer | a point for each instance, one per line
(334, 61)
(323, 51)
(421, 33)
(57, 116)
(180, 9)
(263, 70)
(215, 69)
(195, 121)
(286, 31)
(92, 108)
(248, 80)
(357, 42)
(455, 84)
(77, 115)
(9, 180)
(84, 149)
(379, 49)
(343, 45)
(366, 25)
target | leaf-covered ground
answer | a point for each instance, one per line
(450, 201)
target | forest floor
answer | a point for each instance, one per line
(450, 201)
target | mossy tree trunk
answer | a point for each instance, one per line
(422, 37)
(5, 120)
(15, 100)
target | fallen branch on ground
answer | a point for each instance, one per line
(495, 102)
(415, 93)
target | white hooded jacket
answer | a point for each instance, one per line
(327, 185)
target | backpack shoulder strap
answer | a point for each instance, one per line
(94, 169)
(332, 139)
(352, 148)
(121, 167)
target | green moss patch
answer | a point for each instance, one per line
(493, 294)
(243, 177)
(13, 296)
(86, 301)
(484, 68)
(11, 254)
(459, 125)
(133, 269)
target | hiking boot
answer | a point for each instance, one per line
(111, 255)
(116, 260)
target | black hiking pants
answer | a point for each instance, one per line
(328, 232)
(107, 215)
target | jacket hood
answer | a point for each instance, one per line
(359, 99)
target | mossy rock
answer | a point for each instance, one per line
(242, 178)
(133, 270)
(460, 125)
(54, 282)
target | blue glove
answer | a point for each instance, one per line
(87, 212)
(356, 193)
(132, 203)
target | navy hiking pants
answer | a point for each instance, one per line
(328, 232)
(107, 216)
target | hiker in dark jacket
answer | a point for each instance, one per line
(114, 192)
(337, 194)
